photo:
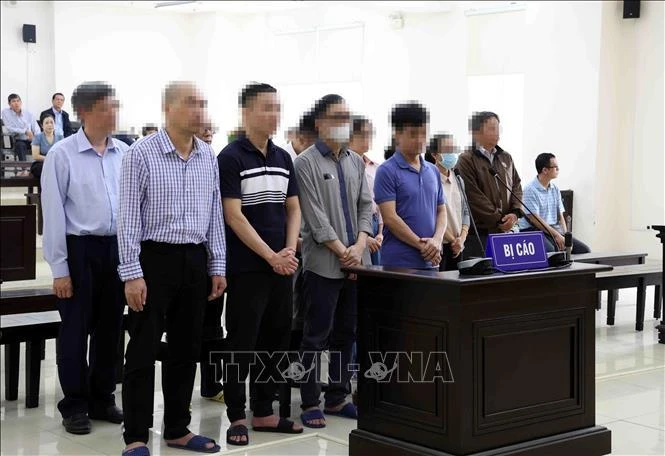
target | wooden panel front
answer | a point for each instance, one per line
(515, 383)
(17, 249)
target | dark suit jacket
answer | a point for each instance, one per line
(66, 124)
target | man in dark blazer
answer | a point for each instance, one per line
(62, 123)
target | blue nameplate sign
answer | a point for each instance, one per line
(517, 251)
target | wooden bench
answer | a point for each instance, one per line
(31, 316)
(610, 259)
(633, 276)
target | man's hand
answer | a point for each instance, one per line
(437, 259)
(353, 256)
(379, 238)
(430, 248)
(560, 240)
(63, 288)
(218, 287)
(507, 222)
(373, 245)
(136, 293)
(29, 134)
(284, 262)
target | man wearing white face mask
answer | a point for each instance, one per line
(337, 211)
(443, 153)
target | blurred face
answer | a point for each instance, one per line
(411, 140)
(302, 142)
(206, 135)
(362, 140)
(16, 104)
(49, 124)
(552, 171)
(103, 116)
(334, 126)
(58, 101)
(488, 135)
(262, 113)
(187, 111)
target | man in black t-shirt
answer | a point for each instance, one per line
(262, 216)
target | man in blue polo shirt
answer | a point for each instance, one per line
(410, 196)
(544, 198)
(262, 216)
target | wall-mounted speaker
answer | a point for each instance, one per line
(631, 9)
(29, 33)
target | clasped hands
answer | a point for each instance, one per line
(430, 250)
(284, 262)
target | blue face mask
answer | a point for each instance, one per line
(448, 161)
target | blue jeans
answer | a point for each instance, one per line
(376, 257)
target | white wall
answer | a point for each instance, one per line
(27, 68)
(630, 157)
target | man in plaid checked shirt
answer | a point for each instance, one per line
(171, 238)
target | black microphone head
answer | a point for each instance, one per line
(568, 239)
(492, 171)
(456, 171)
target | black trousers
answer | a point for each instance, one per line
(95, 310)
(212, 341)
(258, 319)
(578, 246)
(448, 261)
(177, 281)
(21, 148)
(330, 324)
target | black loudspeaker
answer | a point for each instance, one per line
(29, 33)
(631, 9)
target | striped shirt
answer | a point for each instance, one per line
(262, 183)
(545, 202)
(164, 198)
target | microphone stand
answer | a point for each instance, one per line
(555, 258)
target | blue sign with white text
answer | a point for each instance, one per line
(517, 251)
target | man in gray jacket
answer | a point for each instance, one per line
(337, 212)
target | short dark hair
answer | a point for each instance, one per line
(478, 119)
(45, 115)
(12, 96)
(410, 114)
(56, 94)
(87, 94)
(433, 146)
(306, 124)
(323, 103)
(390, 150)
(146, 128)
(543, 161)
(358, 122)
(250, 91)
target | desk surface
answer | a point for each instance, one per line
(600, 256)
(453, 277)
(19, 181)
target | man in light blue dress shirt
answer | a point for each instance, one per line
(21, 124)
(80, 187)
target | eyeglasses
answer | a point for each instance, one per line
(338, 117)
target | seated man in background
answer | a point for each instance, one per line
(63, 126)
(543, 197)
(410, 196)
(21, 124)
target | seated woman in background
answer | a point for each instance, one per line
(42, 143)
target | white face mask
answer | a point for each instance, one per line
(341, 134)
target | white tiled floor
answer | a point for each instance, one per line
(630, 400)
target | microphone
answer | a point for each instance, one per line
(555, 258)
(476, 265)
(568, 244)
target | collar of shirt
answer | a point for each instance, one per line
(539, 185)
(167, 146)
(402, 163)
(84, 144)
(323, 148)
(486, 152)
(56, 112)
(247, 145)
(367, 161)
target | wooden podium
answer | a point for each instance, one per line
(520, 351)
